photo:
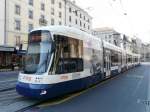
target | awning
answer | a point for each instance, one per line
(21, 52)
(7, 49)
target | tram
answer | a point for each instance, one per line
(61, 60)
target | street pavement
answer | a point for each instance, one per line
(128, 92)
(10, 100)
(6, 76)
(8, 80)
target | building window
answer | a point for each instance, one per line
(31, 2)
(76, 12)
(18, 40)
(17, 9)
(60, 14)
(80, 15)
(84, 25)
(52, 1)
(42, 20)
(76, 21)
(52, 11)
(70, 10)
(30, 27)
(80, 23)
(42, 6)
(17, 25)
(52, 21)
(60, 5)
(42, 17)
(84, 17)
(88, 27)
(60, 23)
(88, 20)
(69, 18)
(30, 14)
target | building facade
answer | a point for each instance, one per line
(77, 17)
(2, 21)
(145, 52)
(127, 43)
(148, 53)
(24, 15)
(136, 45)
(109, 35)
(131, 44)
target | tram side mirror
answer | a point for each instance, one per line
(53, 47)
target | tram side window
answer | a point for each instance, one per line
(120, 58)
(124, 59)
(114, 58)
(136, 59)
(129, 58)
(68, 57)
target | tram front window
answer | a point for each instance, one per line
(38, 53)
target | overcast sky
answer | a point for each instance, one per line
(131, 17)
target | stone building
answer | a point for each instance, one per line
(109, 35)
(21, 16)
(145, 52)
(77, 17)
(136, 45)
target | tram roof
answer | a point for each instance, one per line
(68, 31)
(78, 34)
(131, 53)
(119, 49)
(112, 47)
(89, 40)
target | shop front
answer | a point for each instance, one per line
(6, 58)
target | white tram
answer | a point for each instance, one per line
(62, 59)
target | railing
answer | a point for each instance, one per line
(43, 22)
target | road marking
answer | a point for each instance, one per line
(145, 102)
(137, 86)
(8, 81)
(135, 76)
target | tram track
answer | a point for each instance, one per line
(7, 85)
(8, 95)
(11, 101)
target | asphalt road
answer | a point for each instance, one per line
(128, 92)
(6, 76)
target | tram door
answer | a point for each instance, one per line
(107, 63)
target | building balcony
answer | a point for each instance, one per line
(43, 22)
